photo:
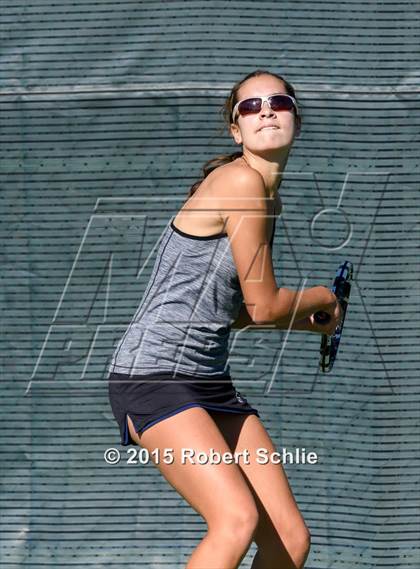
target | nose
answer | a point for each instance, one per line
(266, 110)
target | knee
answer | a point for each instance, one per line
(238, 524)
(294, 545)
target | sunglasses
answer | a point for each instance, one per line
(279, 102)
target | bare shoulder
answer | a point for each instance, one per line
(238, 192)
(234, 180)
(237, 188)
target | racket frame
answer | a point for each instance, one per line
(329, 344)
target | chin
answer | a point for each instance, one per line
(271, 151)
(275, 143)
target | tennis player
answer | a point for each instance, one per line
(170, 387)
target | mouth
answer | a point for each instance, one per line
(268, 127)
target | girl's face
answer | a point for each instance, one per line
(249, 130)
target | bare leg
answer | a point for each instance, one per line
(218, 492)
(282, 536)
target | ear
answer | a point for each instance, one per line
(236, 133)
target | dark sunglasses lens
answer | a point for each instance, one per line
(281, 103)
(249, 106)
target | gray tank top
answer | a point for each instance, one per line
(184, 319)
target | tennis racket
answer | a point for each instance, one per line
(329, 344)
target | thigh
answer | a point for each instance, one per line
(218, 492)
(279, 515)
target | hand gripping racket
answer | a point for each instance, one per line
(329, 344)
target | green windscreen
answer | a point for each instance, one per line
(108, 112)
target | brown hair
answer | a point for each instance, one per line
(226, 112)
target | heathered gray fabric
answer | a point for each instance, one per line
(184, 319)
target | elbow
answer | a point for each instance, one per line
(270, 307)
(270, 311)
(261, 314)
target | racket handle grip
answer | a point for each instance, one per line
(322, 317)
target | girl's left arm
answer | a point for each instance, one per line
(243, 320)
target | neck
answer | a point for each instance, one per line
(271, 168)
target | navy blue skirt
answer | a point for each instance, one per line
(149, 399)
